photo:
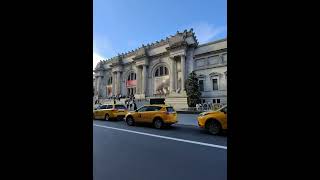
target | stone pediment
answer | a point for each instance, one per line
(201, 76)
(214, 74)
(99, 66)
(117, 60)
(179, 40)
(141, 53)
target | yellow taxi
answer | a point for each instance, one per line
(158, 115)
(110, 111)
(214, 121)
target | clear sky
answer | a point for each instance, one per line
(124, 25)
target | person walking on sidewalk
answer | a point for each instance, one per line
(134, 106)
(130, 105)
(127, 103)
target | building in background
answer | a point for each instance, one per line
(160, 69)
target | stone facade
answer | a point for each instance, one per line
(161, 68)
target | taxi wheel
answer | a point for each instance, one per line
(107, 118)
(214, 127)
(157, 123)
(130, 121)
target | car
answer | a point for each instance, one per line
(214, 121)
(158, 115)
(110, 111)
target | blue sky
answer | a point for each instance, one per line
(123, 25)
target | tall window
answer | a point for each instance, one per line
(110, 81)
(161, 71)
(215, 84)
(201, 86)
(132, 76)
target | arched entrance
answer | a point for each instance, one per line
(131, 83)
(161, 80)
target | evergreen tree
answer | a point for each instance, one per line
(193, 91)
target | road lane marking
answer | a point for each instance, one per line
(165, 137)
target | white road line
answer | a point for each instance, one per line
(164, 137)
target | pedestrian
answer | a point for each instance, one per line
(114, 101)
(127, 103)
(130, 105)
(134, 105)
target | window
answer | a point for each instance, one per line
(215, 84)
(154, 108)
(110, 81)
(170, 109)
(201, 88)
(165, 71)
(103, 107)
(142, 109)
(157, 72)
(109, 107)
(119, 107)
(161, 71)
(214, 101)
(132, 76)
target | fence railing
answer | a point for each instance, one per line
(202, 108)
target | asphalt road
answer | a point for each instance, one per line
(144, 153)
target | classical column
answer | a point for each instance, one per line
(138, 80)
(144, 77)
(183, 71)
(98, 80)
(113, 83)
(118, 82)
(172, 75)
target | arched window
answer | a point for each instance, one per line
(157, 73)
(132, 76)
(110, 81)
(161, 71)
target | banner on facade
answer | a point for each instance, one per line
(109, 90)
(161, 85)
(132, 83)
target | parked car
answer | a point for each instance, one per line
(158, 115)
(214, 121)
(110, 111)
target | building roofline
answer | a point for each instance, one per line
(212, 42)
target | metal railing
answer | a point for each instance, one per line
(202, 108)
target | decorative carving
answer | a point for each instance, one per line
(214, 74)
